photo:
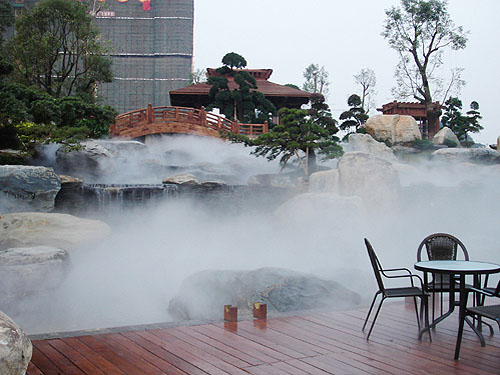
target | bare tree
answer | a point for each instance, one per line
(317, 81)
(366, 78)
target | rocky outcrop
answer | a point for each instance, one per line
(49, 229)
(89, 160)
(365, 143)
(393, 128)
(182, 179)
(203, 295)
(27, 188)
(471, 155)
(446, 137)
(27, 270)
(288, 180)
(15, 348)
(374, 180)
(324, 181)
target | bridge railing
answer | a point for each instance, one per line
(141, 120)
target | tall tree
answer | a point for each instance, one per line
(6, 20)
(355, 117)
(419, 30)
(301, 133)
(245, 103)
(316, 80)
(366, 78)
(57, 48)
(460, 124)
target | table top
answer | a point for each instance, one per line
(457, 267)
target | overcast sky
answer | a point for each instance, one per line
(344, 36)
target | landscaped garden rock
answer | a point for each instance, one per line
(15, 347)
(446, 137)
(182, 179)
(324, 181)
(27, 270)
(203, 295)
(375, 180)
(27, 188)
(49, 229)
(473, 155)
(365, 143)
(393, 128)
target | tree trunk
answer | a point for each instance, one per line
(311, 161)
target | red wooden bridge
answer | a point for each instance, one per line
(180, 120)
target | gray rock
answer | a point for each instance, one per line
(365, 143)
(182, 179)
(48, 229)
(375, 180)
(15, 347)
(203, 295)
(471, 155)
(446, 137)
(88, 161)
(288, 180)
(27, 188)
(324, 182)
(393, 128)
(27, 270)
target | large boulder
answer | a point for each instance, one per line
(365, 143)
(182, 179)
(446, 137)
(375, 180)
(27, 188)
(324, 182)
(89, 160)
(49, 229)
(203, 295)
(393, 128)
(471, 155)
(27, 270)
(15, 347)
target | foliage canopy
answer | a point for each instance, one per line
(461, 124)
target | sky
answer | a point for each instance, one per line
(344, 37)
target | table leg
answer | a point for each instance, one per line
(461, 314)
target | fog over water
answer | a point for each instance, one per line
(130, 277)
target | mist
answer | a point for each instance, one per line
(129, 278)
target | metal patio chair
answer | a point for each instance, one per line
(440, 246)
(479, 312)
(401, 292)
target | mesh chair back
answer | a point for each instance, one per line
(441, 246)
(377, 267)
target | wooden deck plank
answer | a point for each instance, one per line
(320, 343)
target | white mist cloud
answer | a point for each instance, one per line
(131, 277)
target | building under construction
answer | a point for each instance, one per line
(151, 44)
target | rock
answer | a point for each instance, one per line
(365, 143)
(203, 295)
(182, 179)
(87, 161)
(43, 229)
(15, 348)
(324, 182)
(446, 137)
(472, 155)
(375, 180)
(498, 144)
(27, 270)
(318, 207)
(13, 157)
(27, 188)
(393, 128)
(119, 148)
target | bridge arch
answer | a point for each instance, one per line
(179, 120)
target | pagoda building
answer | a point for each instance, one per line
(196, 96)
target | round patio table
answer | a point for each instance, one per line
(460, 268)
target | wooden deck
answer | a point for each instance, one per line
(318, 343)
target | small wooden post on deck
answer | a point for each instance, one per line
(230, 313)
(259, 310)
(149, 113)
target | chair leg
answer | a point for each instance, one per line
(375, 318)
(459, 336)
(370, 310)
(416, 311)
(425, 301)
